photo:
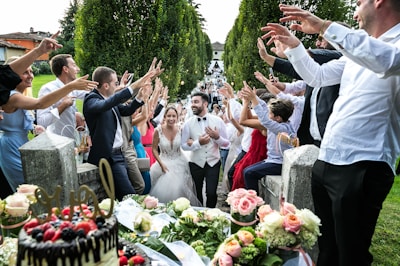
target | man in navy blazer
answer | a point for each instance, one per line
(103, 109)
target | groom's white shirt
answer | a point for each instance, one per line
(193, 129)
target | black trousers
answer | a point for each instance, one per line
(348, 199)
(211, 174)
(231, 170)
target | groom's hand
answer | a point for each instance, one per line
(204, 139)
(213, 133)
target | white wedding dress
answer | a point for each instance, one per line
(177, 181)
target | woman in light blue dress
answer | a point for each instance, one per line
(17, 121)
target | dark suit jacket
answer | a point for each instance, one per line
(325, 99)
(102, 122)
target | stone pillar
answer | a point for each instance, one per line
(48, 160)
(296, 175)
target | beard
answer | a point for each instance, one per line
(197, 110)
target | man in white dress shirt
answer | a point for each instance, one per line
(203, 134)
(356, 164)
(61, 115)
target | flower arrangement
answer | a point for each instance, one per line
(8, 251)
(244, 248)
(14, 210)
(244, 204)
(203, 229)
(288, 228)
(145, 201)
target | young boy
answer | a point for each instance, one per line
(275, 118)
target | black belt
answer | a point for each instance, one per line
(117, 150)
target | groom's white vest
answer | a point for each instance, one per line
(209, 152)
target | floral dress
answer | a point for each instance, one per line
(177, 181)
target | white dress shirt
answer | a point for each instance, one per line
(365, 121)
(64, 123)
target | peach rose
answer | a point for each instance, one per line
(233, 248)
(225, 260)
(292, 223)
(245, 236)
(263, 211)
(150, 202)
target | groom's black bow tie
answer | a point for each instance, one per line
(199, 119)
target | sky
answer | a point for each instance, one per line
(43, 15)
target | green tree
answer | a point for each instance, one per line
(67, 25)
(241, 57)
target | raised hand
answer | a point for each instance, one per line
(309, 23)
(82, 83)
(280, 35)
(49, 44)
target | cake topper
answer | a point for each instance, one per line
(82, 196)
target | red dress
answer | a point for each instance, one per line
(257, 152)
(147, 141)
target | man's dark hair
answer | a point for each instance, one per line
(266, 96)
(58, 62)
(102, 75)
(203, 96)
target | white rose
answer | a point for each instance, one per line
(17, 205)
(310, 220)
(212, 214)
(191, 214)
(142, 222)
(271, 222)
(181, 204)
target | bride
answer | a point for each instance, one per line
(170, 175)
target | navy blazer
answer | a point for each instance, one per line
(102, 122)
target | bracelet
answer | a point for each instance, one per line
(321, 30)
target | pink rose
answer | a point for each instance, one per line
(246, 206)
(245, 236)
(263, 211)
(292, 223)
(240, 192)
(225, 260)
(233, 248)
(235, 205)
(252, 193)
(288, 208)
(27, 189)
(150, 202)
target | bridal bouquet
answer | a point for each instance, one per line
(289, 228)
(14, 210)
(244, 204)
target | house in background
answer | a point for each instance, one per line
(8, 49)
(27, 40)
(215, 70)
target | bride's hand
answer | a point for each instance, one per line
(164, 168)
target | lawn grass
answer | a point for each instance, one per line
(386, 241)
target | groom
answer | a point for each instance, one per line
(203, 134)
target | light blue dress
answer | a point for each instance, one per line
(141, 153)
(15, 127)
